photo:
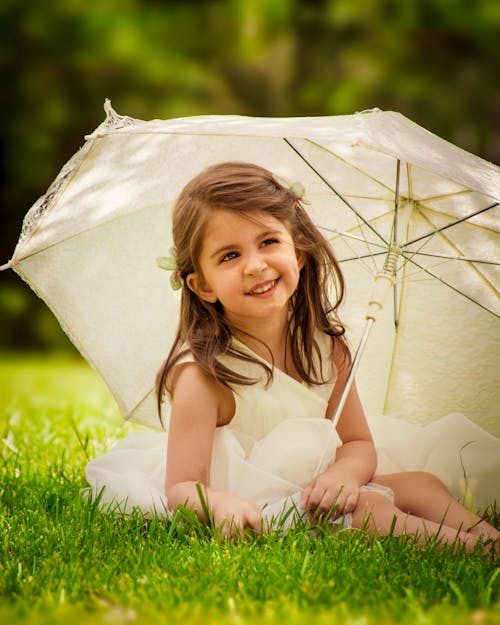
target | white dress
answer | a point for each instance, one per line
(279, 440)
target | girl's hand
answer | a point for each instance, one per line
(335, 491)
(232, 514)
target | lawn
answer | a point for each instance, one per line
(63, 561)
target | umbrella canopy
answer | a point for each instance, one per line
(374, 182)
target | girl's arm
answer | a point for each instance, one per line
(355, 461)
(196, 404)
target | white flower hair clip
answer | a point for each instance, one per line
(297, 188)
(169, 263)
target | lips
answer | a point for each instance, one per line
(263, 288)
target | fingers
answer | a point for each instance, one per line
(351, 502)
(248, 519)
(253, 520)
(306, 494)
(323, 500)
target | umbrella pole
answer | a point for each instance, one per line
(383, 282)
(354, 367)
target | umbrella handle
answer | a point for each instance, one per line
(383, 282)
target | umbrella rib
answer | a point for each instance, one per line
(394, 234)
(363, 239)
(450, 225)
(330, 186)
(453, 288)
(352, 165)
(369, 255)
(426, 211)
(346, 235)
(390, 262)
(458, 252)
(84, 230)
(443, 196)
(362, 256)
(454, 258)
(472, 267)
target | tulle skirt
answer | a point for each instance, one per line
(274, 470)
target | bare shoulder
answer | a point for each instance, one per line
(190, 374)
(195, 391)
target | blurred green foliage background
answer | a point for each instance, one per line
(435, 61)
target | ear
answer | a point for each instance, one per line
(197, 284)
(301, 258)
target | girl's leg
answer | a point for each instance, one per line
(424, 495)
(378, 515)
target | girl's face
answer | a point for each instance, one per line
(249, 264)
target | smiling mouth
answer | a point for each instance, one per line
(264, 288)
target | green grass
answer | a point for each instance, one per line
(62, 561)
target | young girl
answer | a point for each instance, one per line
(258, 366)
(253, 379)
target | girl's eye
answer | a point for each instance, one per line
(229, 256)
(269, 241)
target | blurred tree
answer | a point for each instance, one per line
(432, 60)
(435, 61)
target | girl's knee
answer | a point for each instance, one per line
(371, 505)
(428, 481)
(419, 480)
(416, 492)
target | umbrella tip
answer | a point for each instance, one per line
(6, 266)
(108, 109)
(373, 110)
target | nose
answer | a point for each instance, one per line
(255, 264)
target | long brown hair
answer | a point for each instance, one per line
(203, 329)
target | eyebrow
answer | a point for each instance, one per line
(226, 248)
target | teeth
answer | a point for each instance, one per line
(264, 288)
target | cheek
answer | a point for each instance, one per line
(224, 282)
